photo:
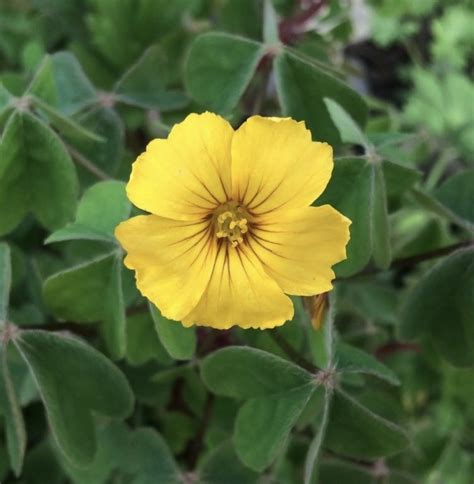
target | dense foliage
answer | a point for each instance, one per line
(96, 386)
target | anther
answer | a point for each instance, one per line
(231, 223)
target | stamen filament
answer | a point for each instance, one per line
(231, 223)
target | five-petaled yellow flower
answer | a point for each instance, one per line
(231, 229)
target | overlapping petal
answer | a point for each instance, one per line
(241, 293)
(270, 170)
(173, 260)
(188, 174)
(276, 165)
(298, 247)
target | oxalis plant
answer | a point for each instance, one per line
(220, 262)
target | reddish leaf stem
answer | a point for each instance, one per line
(292, 28)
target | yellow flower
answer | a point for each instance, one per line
(231, 229)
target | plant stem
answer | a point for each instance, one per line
(395, 347)
(87, 164)
(434, 254)
(291, 29)
(195, 448)
(414, 259)
(261, 92)
(82, 329)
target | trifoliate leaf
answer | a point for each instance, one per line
(61, 83)
(263, 424)
(98, 285)
(219, 69)
(36, 174)
(352, 359)
(302, 86)
(75, 382)
(355, 431)
(441, 306)
(243, 372)
(145, 83)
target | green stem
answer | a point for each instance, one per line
(87, 164)
(415, 259)
(439, 168)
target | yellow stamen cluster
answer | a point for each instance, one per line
(231, 223)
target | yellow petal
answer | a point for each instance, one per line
(276, 165)
(172, 260)
(240, 293)
(188, 174)
(298, 247)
